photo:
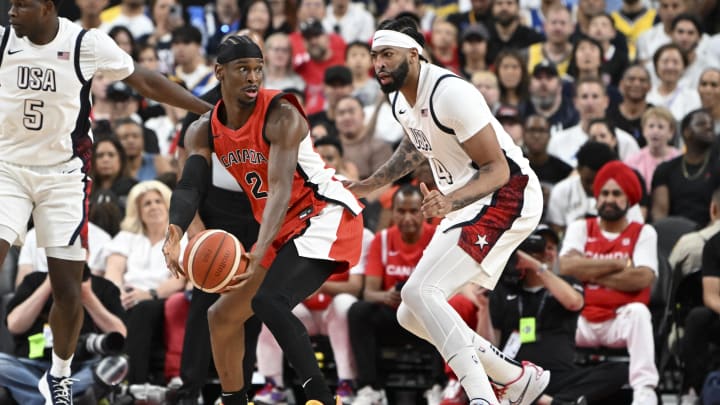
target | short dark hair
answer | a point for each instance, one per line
(186, 34)
(667, 47)
(590, 80)
(356, 44)
(603, 121)
(685, 123)
(404, 25)
(330, 141)
(594, 155)
(406, 190)
(687, 17)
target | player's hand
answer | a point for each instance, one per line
(392, 297)
(238, 280)
(435, 203)
(171, 250)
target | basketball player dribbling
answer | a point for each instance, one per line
(310, 225)
(489, 197)
(46, 66)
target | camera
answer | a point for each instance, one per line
(106, 344)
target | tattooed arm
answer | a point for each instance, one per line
(405, 159)
(493, 172)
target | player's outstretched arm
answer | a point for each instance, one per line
(404, 160)
(153, 85)
(190, 190)
(285, 129)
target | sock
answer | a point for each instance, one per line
(60, 367)
(316, 388)
(471, 374)
(499, 368)
(235, 397)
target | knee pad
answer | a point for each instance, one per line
(74, 253)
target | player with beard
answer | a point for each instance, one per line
(489, 198)
(617, 261)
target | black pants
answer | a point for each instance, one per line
(372, 324)
(596, 383)
(197, 351)
(702, 326)
(288, 282)
(145, 342)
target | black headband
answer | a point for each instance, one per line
(238, 47)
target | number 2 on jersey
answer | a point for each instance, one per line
(32, 115)
(253, 179)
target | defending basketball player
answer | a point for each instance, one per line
(489, 197)
(310, 225)
(46, 66)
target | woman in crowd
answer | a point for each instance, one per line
(513, 79)
(123, 37)
(109, 173)
(137, 266)
(670, 62)
(279, 74)
(257, 17)
(659, 128)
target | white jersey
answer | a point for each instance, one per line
(45, 93)
(449, 111)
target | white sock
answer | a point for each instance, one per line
(471, 374)
(500, 368)
(60, 367)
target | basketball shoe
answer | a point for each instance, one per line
(525, 389)
(454, 394)
(56, 390)
(270, 394)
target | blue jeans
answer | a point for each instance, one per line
(21, 376)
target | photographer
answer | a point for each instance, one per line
(535, 313)
(27, 320)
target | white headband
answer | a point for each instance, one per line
(395, 39)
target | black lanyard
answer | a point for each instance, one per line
(540, 307)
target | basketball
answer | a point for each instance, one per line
(212, 258)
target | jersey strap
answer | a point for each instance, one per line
(3, 44)
(432, 109)
(78, 42)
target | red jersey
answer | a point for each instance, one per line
(244, 153)
(393, 259)
(601, 302)
(313, 72)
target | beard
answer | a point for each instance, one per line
(505, 20)
(612, 212)
(543, 102)
(398, 78)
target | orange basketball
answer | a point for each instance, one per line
(212, 258)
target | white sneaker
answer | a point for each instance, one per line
(56, 391)
(368, 396)
(434, 395)
(525, 389)
(644, 396)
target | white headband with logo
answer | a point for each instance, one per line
(395, 39)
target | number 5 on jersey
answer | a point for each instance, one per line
(32, 114)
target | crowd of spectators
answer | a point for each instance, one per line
(580, 85)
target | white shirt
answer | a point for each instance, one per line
(386, 127)
(644, 254)
(139, 25)
(34, 256)
(680, 102)
(449, 111)
(649, 41)
(356, 25)
(565, 144)
(45, 97)
(145, 267)
(569, 202)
